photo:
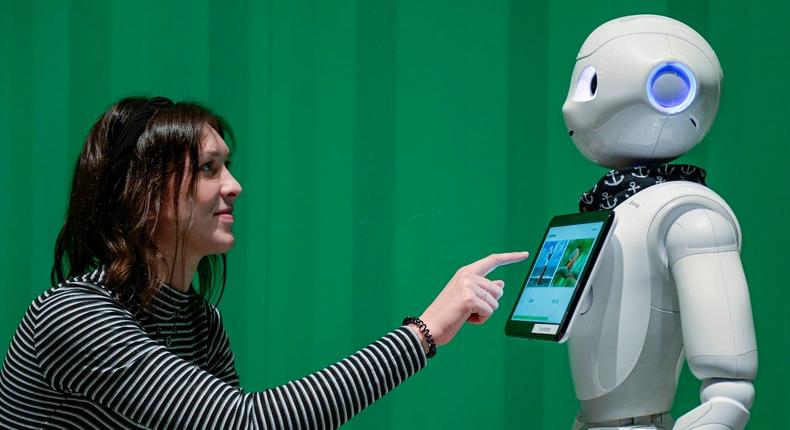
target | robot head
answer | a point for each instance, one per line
(645, 89)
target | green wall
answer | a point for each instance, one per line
(382, 145)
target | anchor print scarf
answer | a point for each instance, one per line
(618, 185)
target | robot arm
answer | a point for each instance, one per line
(703, 250)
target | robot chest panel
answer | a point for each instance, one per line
(625, 280)
(628, 271)
(611, 332)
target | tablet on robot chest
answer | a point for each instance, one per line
(557, 279)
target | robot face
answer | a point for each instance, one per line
(644, 89)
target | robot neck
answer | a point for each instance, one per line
(617, 186)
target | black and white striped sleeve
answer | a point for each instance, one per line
(89, 346)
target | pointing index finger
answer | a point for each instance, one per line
(487, 265)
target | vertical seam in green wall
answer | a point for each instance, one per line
(374, 176)
(527, 137)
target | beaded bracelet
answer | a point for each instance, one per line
(425, 332)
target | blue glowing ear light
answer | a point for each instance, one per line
(671, 87)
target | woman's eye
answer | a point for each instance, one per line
(207, 167)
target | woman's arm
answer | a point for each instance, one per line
(89, 346)
(221, 361)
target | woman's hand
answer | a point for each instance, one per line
(469, 296)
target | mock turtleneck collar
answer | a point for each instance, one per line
(165, 303)
(168, 301)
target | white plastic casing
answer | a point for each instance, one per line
(618, 125)
(584, 300)
(656, 292)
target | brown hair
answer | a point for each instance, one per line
(112, 213)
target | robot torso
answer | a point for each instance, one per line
(626, 346)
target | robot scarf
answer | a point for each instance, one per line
(618, 185)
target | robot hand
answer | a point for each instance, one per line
(725, 406)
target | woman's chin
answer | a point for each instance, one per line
(224, 244)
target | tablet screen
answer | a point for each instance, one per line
(555, 275)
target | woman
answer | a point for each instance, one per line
(123, 340)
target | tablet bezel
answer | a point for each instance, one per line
(520, 328)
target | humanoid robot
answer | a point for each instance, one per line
(670, 285)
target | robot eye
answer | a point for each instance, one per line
(587, 85)
(671, 87)
(594, 84)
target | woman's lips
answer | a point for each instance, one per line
(225, 217)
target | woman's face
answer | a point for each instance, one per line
(212, 216)
(217, 189)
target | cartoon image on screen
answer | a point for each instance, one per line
(546, 265)
(572, 262)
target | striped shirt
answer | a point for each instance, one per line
(79, 359)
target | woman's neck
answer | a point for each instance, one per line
(181, 278)
(180, 274)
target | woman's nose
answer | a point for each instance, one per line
(231, 187)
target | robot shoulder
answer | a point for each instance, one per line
(700, 231)
(693, 212)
